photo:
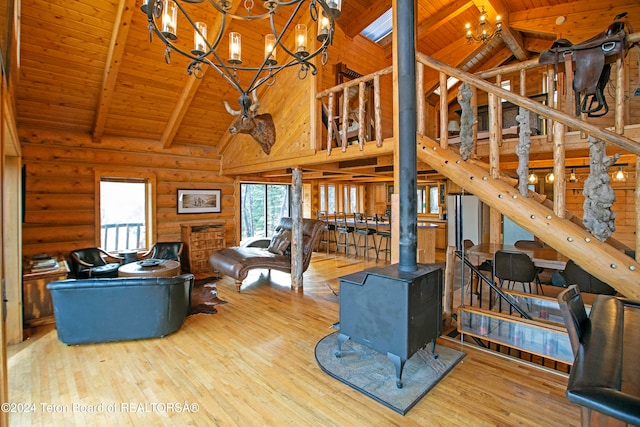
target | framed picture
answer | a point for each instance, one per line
(198, 201)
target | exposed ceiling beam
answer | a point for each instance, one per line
(112, 67)
(512, 38)
(433, 23)
(582, 19)
(189, 91)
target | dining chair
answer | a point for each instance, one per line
(531, 244)
(515, 267)
(574, 275)
(528, 244)
(344, 233)
(384, 234)
(363, 233)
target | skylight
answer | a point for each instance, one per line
(379, 28)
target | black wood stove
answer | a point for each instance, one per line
(391, 311)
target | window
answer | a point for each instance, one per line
(379, 28)
(124, 213)
(331, 198)
(323, 198)
(428, 198)
(261, 207)
(434, 208)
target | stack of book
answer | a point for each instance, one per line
(41, 263)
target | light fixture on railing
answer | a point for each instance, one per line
(484, 31)
(533, 178)
(573, 177)
(619, 175)
(163, 19)
(550, 178)
(453, 127)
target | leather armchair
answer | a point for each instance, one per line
(94, 262)
(164, 250)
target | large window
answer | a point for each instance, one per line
(124, 213)
(262, 206)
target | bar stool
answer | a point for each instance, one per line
(343, 231)
(329, 233)
(362, 232)
(385, 236)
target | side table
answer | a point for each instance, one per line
(150, 268)
(37, 308)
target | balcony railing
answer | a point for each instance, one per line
(124, 236)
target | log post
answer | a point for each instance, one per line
(559, 184)
(330, 123)
(449, 284)
(620, 86)
(494, 164)
(377, 106)
(362, 126)
(296, 231)
(345, 117)
(444, 111)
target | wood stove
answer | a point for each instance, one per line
(392, 311)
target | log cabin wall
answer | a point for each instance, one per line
(60, 191)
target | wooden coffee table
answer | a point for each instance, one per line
(150, 268)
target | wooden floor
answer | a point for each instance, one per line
(252, 364)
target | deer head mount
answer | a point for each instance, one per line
(259, 126)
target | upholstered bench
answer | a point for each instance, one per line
(236, 261)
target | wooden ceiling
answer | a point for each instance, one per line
(88, 66)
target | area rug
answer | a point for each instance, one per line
(373, 374)
(204, 297)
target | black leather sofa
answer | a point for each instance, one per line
(117, 309)
(604, 376)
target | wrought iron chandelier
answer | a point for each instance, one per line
(484, 31)
(163, 17)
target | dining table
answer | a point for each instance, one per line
(542, 257)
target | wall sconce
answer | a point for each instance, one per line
(573, 177)
(533, 178)
(619, 175)
(550, 178)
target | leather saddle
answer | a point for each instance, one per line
(593, 60)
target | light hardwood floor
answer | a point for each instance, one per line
(252, 364)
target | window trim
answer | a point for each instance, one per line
(149, 178)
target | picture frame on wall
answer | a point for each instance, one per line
(199, 201)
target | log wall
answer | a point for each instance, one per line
(60, 191)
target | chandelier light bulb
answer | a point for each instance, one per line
(170, 20)
(199, 39)
(270, 49)
(301, 40)
(235, 48)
